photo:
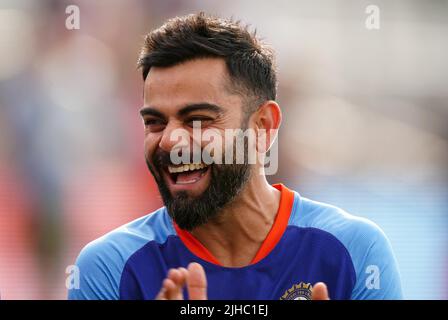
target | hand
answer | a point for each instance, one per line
(320, 292)
(193, 277)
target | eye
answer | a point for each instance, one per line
(154, 124)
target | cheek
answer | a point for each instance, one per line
(150, 144)
(212, 140)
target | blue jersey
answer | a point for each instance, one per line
(309, 242)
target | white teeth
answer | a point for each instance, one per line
(186, 167)
(200, 165)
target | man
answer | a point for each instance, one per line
(224, 232)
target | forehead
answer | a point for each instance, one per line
(199, 80)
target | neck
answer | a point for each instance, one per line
(235, 236)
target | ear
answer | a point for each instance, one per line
(267, 122)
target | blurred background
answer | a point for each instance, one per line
(365, 125)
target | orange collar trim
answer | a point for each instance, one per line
(273, 237)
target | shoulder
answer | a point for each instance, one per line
(355, 233)
(101, 262)
(122, 242)
(375, 266)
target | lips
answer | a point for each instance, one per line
(191, 178)
(187, 173)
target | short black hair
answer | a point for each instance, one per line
(249, 61)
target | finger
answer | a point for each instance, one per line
(172, 290)
(184, 272)
(167, 287)
(320, 292)
(178, 280)
(196, 282)
(178, 276)
(162, 294)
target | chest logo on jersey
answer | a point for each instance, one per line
(301, 291)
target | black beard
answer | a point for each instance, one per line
(226, 182)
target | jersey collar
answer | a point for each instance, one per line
(273, 237)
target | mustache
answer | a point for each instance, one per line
(162, 158)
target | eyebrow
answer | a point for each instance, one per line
(151, 112)
(184, 111)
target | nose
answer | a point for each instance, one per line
(174, 136)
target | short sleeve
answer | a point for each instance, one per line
(99, 273)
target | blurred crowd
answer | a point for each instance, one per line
(365, 125)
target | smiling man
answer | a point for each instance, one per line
(225, 232)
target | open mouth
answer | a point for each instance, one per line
(186, 173)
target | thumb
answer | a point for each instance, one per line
(320, 292)
(196, 282)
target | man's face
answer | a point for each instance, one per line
(174, 98)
